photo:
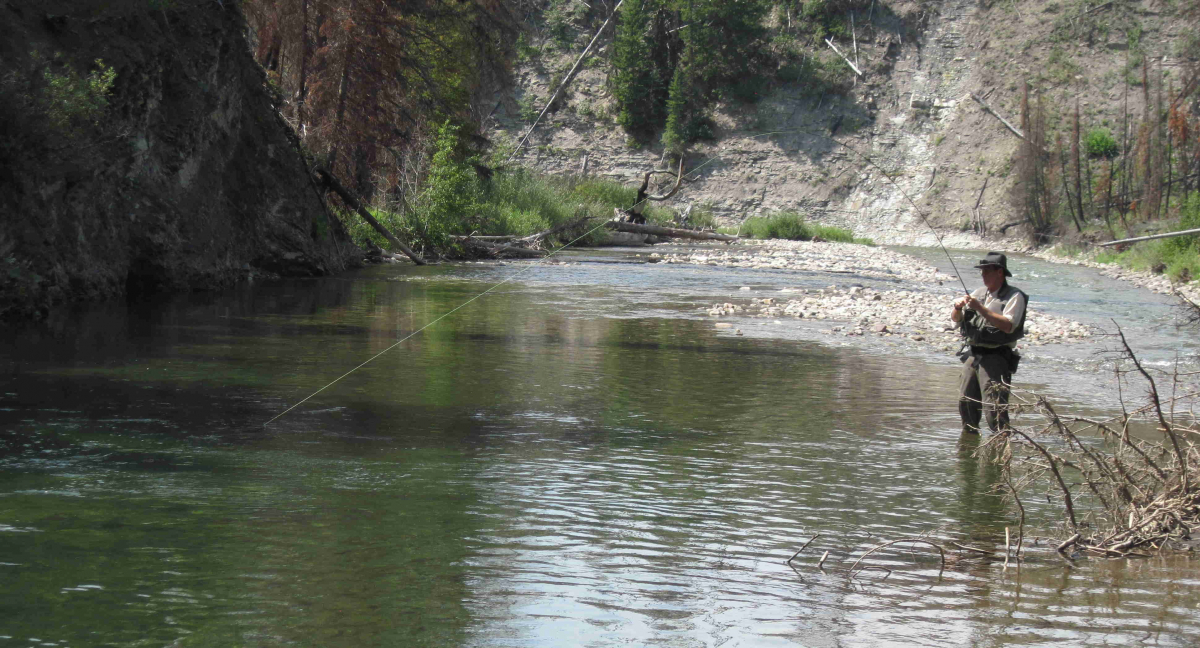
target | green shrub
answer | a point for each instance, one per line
(1178, 257)
(1182, 253)
(1189, 218)
(514, 202)
(792, 226)
(450, 201)
(70, 100)
(1100, 142)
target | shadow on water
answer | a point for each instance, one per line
(534, 470)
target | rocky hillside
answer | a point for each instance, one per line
(908, 134)
(141, 151)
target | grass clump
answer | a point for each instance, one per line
(511, 202)
(792, 226)
(1100, 143)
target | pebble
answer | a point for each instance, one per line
(919, 316)
(832, 257)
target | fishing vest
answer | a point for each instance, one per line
(978, 332)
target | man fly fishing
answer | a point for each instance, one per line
(991, 319)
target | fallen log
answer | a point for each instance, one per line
(848, 61)
(989, 110)
(352, 202)
(500, 251)
(535, 239)
(1151, 237)
(668, 231)
(517, 246)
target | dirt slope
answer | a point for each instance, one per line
(910, 115)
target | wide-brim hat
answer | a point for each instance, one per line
(995, 259)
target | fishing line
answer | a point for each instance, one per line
(464, 304)
(435, 321)
(601, 225)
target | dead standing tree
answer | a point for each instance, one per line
(634, 214)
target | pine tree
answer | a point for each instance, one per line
(645, 54)
(723, 53)
(633, 78)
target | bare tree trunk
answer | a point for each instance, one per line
(1125, 153)
(667, 231)
(1067, 190)
(352, 202)
(302, 91)
(339, 116)
(1075, 160)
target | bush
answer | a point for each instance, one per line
(71, 100)
(1100, 143)
(450, 202)
(1181, 254)
(48, 107)
(514, 202)
(792, 226)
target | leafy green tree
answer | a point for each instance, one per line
(450, 202)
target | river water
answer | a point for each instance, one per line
(577, 457)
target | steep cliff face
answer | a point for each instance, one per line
(140, 152)
(907, 147)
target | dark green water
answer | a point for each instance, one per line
(559, 463)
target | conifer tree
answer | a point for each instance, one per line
(645, 53)
(633, 78)
(723, 53)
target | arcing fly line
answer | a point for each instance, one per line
(435, 321)
(525, 269)
(460, 307)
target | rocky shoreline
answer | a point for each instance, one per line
(918, 315)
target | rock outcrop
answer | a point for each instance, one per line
(180, 174)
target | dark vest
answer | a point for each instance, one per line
(977, 331)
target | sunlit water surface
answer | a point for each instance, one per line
(576, 458)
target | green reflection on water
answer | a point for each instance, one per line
(508, 471)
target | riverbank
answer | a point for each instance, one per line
(917, 313)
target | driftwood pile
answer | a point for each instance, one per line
(1127, 485)
(518, 247)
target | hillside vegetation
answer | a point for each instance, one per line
(1103, 95)
(142, 126)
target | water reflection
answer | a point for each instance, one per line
(523, 474)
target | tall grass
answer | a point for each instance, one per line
(516, 202)
(792, 226)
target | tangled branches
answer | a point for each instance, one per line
(1137, 472)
